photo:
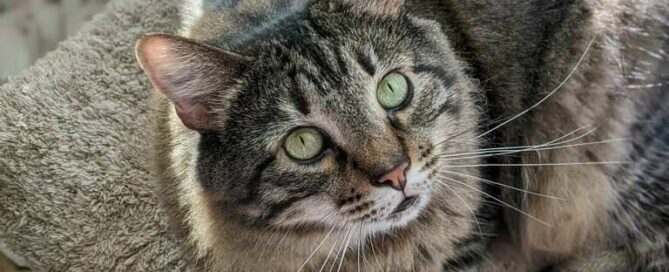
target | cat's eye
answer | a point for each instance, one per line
(304, 144)
(393, 91)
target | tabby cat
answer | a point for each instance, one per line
(392, 135)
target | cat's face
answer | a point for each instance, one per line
(334, 120)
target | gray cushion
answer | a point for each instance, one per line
(75, 193)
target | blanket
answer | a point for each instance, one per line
(75, 192)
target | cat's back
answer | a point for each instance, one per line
(642, 213)
(645, 66)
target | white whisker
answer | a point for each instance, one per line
(343, 256)
(363, 242)
(501, 184)
(358, 247)
(452, 138)
(581, 144)
(536, 164)
(343, 242)
(327, 258)
(566, 79)
(498, 200)
(517, 149)
(316, 249)
(376, 257)
(471, 211)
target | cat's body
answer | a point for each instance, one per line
(500, 58)
(611, 220)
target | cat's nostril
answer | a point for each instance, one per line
(394, 178)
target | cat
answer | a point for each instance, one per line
(374, 135)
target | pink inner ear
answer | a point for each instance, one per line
(160, 57)
(195, 117)
(189, 73)
(157, 60)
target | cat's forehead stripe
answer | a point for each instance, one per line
(298, 98)
(367, 60)
(329, 67)
(366, 63)
(446, 78)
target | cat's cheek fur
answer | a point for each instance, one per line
(189, 191)
(317, 209)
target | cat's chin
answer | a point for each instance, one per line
(402, 217)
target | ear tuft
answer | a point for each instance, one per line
(192, 75)
(376, 8)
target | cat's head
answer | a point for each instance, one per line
(335, 115)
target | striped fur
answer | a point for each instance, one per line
(233, 187)
(317, 63)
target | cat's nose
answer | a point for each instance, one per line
(394, 178)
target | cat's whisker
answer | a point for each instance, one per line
(343, 256)
(358, 248)
(509, 148)
(501, 184)
(342, 247)
(471, 211)
(376, 257)
(562, 83)
(363, 244)
(537, 149)
(336, 256)
(334, 259)
(280, 242)
(536, 164)
(316, 249)
(452, 138)
(527, 147)
(498, 200)
(498, 151)
(267, 242)
(327, 258)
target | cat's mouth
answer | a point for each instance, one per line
(407, 203)
(402, 214)
(407, 210)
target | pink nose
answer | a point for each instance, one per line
(395, 177)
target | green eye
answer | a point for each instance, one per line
(304, 144)
(393, 91)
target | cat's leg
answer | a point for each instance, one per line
(609, 261)
(504, 256)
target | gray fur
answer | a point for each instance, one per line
(320, 66)
(522, 50)
(232, 185)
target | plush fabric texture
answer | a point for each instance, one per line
(75, 192)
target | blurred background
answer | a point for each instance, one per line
(28, 30)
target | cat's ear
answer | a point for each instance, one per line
(376, 8)
(192, 75)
